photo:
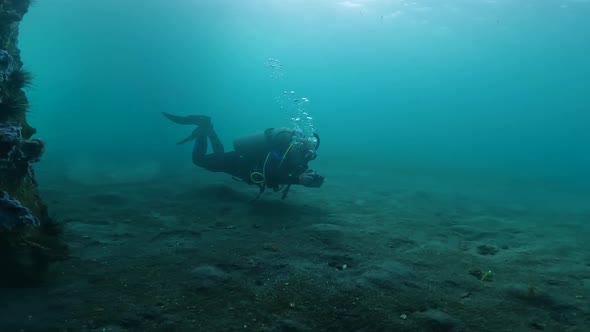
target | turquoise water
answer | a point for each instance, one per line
(499, 86)
(454, 141)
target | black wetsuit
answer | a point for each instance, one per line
(248, 168)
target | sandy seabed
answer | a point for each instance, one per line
(373, 250)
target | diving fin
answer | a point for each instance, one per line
(198, 120)
(188, 139)
(197, 133)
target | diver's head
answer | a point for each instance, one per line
(304, 147)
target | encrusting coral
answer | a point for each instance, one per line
(29, 239)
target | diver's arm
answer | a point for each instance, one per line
(302, 175)
(284, 179)
(308, 178)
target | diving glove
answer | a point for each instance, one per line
(310, 178)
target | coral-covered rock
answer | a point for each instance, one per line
(14, 148)
(6, 65)
(14, 215)
(29, 238)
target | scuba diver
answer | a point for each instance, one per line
(276, 158)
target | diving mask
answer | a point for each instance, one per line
(307, 146)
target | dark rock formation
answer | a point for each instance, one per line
(29, 238)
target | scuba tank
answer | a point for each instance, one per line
(262, 143)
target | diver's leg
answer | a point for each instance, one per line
(221, 162)
(200, 147)
(204, 130)
(215, 141)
